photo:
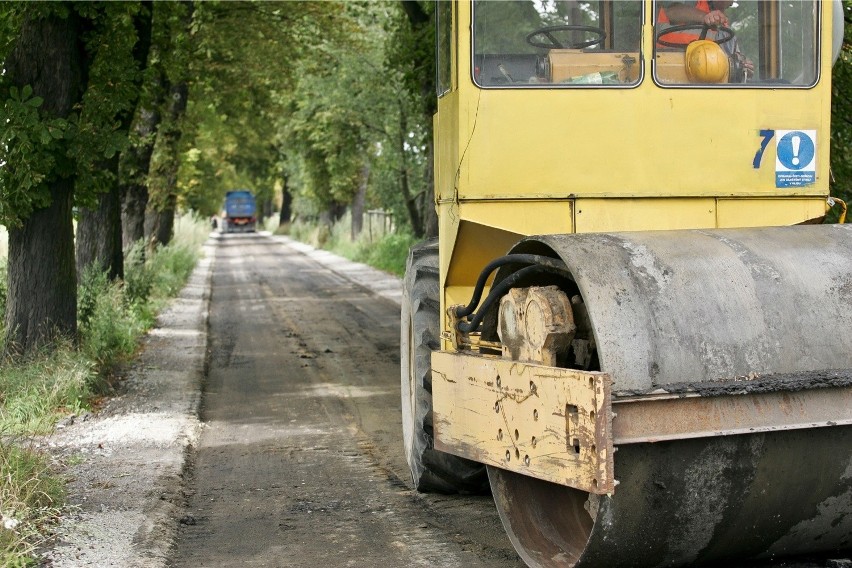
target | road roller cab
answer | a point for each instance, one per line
(633, 317)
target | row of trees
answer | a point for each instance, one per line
(117, 114)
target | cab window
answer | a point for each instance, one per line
(556, 43)
(743, 43)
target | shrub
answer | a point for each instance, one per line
(109, 326)
(138, 279)
(390, 253)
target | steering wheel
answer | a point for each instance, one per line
(725, 34)
(553, 43)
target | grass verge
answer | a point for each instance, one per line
(387, 251)
(62, 379)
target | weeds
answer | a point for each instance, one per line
(109, 323)
(31, 496)
(37, 389)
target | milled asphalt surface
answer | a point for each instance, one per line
(126, 462)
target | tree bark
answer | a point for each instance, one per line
(160, 223)
(42, 282)
(161, 210)
(99, 235)
(358, 203)
(423, 60)
(414, 217)
(265, 210)
(133, 173)
(286, 214)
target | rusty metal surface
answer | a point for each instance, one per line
(545, 422)
(672, 417)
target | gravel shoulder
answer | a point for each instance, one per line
(126, 463)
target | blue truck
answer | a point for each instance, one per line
(240, 212)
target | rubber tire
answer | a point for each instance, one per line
(431, 470)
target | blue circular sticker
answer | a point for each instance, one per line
(796, 150)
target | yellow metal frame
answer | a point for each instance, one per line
(515, 162)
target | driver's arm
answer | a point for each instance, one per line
(679, 13)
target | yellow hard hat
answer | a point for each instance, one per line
(706, 62)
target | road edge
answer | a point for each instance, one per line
(114, 519)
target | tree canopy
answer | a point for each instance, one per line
(325, 104)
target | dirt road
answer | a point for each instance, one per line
(300, 460)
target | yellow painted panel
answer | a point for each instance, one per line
(477, 245)
(646, 141)
(603, 215)
(546, 422)
(521, 217)
(473, 234)
(446, 128)
(768, 212)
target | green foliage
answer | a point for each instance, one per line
(171, 267)
(113, 315)
(30, 497)
(29, 146)
(138, 276)
(246, 55)
(37, 147)
(109, 324)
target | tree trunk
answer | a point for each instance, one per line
(414, 217)
(266, 210)
(41, 299)
(42, 282)
(286, 214)
(163, 198)
(99, 235)
(358, 203)
(133, 173)
(160, 223)
(424, 222)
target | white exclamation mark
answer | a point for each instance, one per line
(796, 141)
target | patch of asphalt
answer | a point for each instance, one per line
(126, 463)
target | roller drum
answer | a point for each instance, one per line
(681, 309)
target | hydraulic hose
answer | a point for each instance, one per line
(504, 286)
(534, 259)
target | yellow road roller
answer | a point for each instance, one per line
(635, 325)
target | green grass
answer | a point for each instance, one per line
(31, 497)
(387, 252)
(62, 378)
